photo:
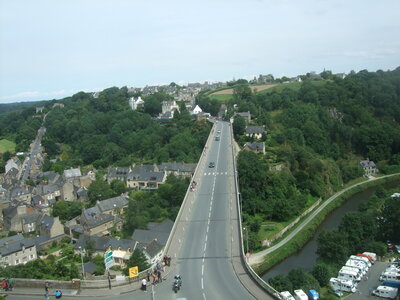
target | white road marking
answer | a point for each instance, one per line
(202, 270)
(204, 296)
(205, 247)
(202, 284)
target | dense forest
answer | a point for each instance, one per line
(317, 132)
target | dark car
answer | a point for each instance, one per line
(211, 165)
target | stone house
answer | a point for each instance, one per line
(113, 206)
(255, 147)
(12, 216)
(246, 115)
(255, 131)
(49, 226)
(16, 250)
(369, 167)
(13, 162)
(178, 169)
(21, 194)
(29, 222)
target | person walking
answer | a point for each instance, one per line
(10, 284)
(148, 275)
(46, 290)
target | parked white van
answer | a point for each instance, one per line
(359, 272)
(389, 276)
(300, 295)
(385, 292)
(372, 256)
(286, 295)
(343, 285)
(363, 259)
(349, 275)
(357, 265)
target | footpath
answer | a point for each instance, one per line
(258, 257)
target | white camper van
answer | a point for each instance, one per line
(385, 292)
(363, 259)
(389, 276)
(343, 285)
(349, 275)
(300, 295)
(356, 264)
(373, 257)
(286, 295)
(360, 274)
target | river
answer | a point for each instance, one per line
(306, 258)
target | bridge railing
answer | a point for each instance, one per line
(249, 269)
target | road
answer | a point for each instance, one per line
(34, 151)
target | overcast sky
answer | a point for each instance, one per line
(52, 49)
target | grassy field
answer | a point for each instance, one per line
(221, 97)
(6, 145)
(227, 93)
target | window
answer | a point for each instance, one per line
(17, 261)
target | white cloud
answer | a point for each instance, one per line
(35, 95)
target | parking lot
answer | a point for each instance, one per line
(365, 287)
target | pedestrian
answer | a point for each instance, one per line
(158, 266)
(159, 275)
(46, 290)
(10, 284)
(169, 260)
(154, 279)
(4, 284)
(144, 284)
(148, 275)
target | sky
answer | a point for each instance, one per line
(53, 49)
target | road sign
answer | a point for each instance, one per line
(109, 260)
(133, 272)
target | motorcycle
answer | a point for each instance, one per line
(176, 286)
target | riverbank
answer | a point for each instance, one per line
(293, 241)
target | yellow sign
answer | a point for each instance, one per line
(133, 272)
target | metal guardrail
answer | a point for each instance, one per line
(269, 289)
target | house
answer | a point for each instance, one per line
(70, 174)
(255, 147)
(122, 249)
(145, 177)
(153, 252)
(113, 206)
(178, 169)
(21, 194)
(169, 106)
(118, 174)
(89, 268)
(16, 250)
(255, 131)
(49, 226)
(60, 105)
(134, 104)
(12, 216)
(29, 222)
(196, 110)
(246, 115)
(38, 200)
(13, 162)
(51, 192)
(156, 231)
(68, 192)
(369, 167)
(39, 109)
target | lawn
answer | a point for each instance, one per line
(221, 97)
(254, 88)
(6, 145)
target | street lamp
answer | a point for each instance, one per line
(83, 268)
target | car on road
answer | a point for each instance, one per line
(219, 131)
(217, 138)
(211, 164)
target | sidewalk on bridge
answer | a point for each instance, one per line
(87, 292)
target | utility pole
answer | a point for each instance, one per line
(83, 268)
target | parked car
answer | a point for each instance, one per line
(211, 164)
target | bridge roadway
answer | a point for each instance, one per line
(205, 247)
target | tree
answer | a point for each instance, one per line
(137, 259)
(281, 283)
(118, 187)
(99, 190)
(239, 125)
(322, 273)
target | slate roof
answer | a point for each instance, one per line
(50, 175)
(112, 203)
(16, 246)
(159, 232)
(177, 167)
(89, 267)
(255, 146)
(153, 248)
(51, 188)
(146, 176)
(46, 222)
(19, 191)
(118, 172)
(70, 173)
(244, 114)
(102, 243)
(165, 226)
(36, 200)
(31, 218)
(255, 129)
(367, 163)
(11, 239)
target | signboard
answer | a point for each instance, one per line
(109, 260)
(133, 272)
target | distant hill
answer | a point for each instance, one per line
(9, 107)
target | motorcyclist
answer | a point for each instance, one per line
(178, 280)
